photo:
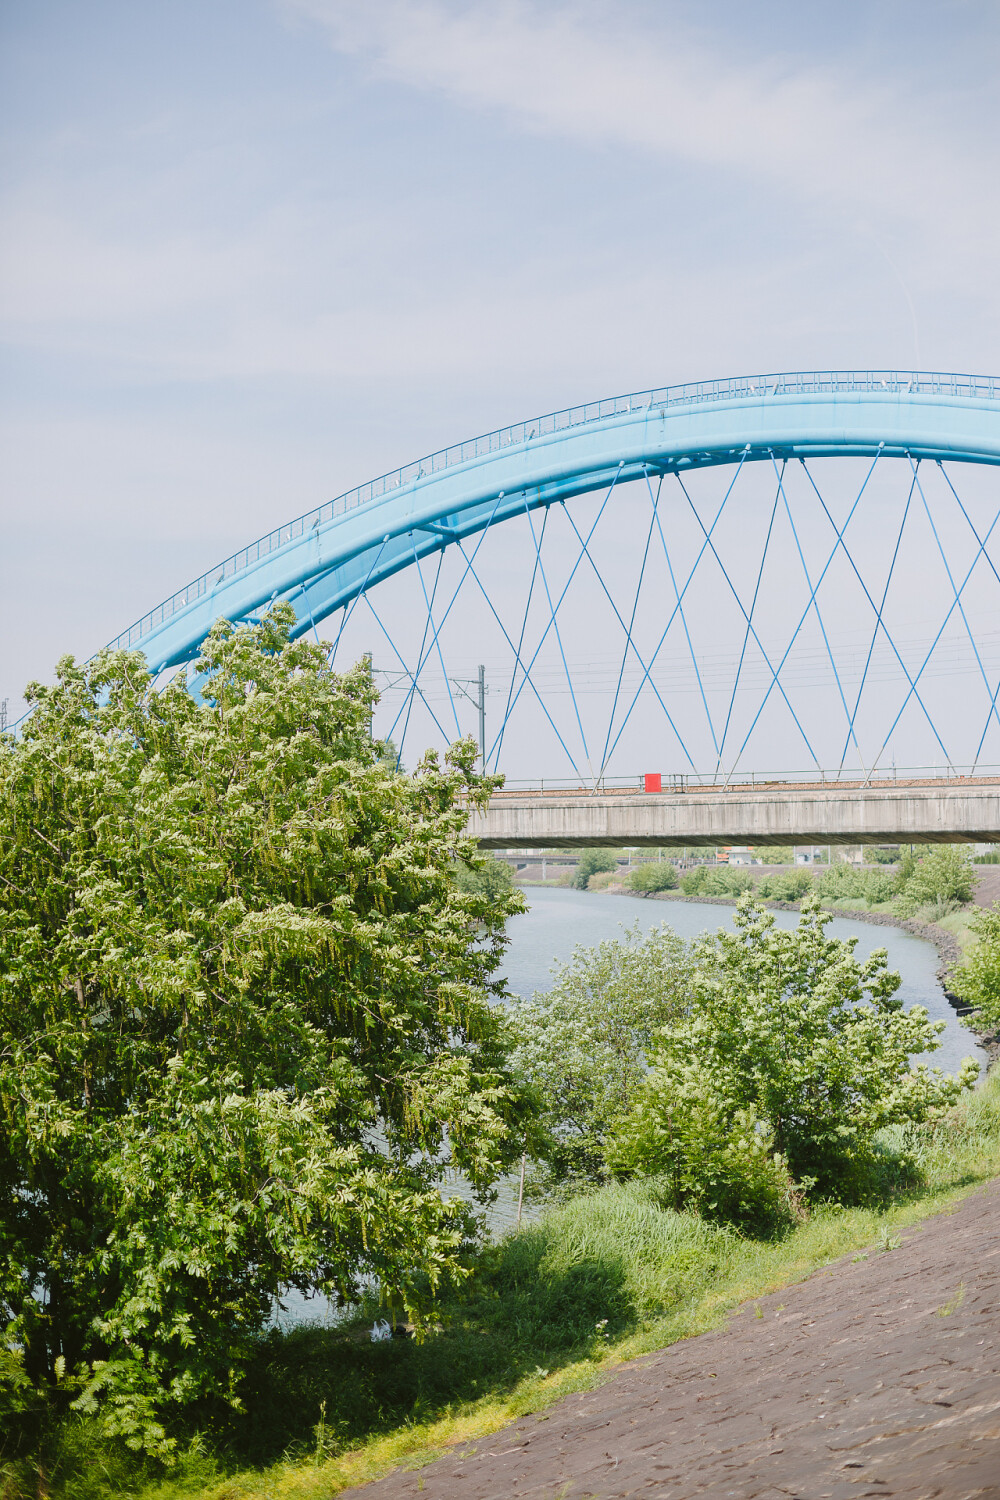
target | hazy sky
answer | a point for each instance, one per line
(256, 251)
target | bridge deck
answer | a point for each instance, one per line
(939, 810)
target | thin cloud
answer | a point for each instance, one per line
(591, 74)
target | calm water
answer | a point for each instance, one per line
(558, 921)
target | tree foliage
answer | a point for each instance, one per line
(943, 877)
(786, 1036)
(653, 875)
(592, 862)
(244, 1021)
(977, 979)
(582, 1045)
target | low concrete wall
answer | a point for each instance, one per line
(939, 814)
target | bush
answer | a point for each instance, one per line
(582, 1045)
(943, 878)
(874, 854)
(592, 862)
(716, 880)
(711, 1154)
(655, 875)
(791, 886)
(488, 877)
(977, 980)
(846, 882)
(786, 1032)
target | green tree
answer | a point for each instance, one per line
(490, 878)
(717, 880)
(653, 875)
(592, 862)
(977, 980)
(244, 1020)
(581, 1046)
(943, 878)
(789, 1029)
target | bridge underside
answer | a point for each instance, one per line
(942, 813)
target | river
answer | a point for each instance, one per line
(560, 920)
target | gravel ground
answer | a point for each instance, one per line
(877, 1376)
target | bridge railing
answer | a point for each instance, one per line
(744, 781)
(813, 382)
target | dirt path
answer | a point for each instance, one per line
(874, 1377)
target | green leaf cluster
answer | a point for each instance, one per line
(977, 979)
(789, 1048)
(653, 875)
(245, 1022)
(582, 1045)
(717, 880)
(790, 885)
(592, 862)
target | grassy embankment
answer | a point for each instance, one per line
(555, 1309)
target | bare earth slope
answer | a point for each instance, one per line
(874, 1377)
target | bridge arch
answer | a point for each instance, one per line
(321, 561)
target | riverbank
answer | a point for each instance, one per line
(946, 944)
(882, 1370)
(597, 1284)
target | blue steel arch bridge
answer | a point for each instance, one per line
(718, 582)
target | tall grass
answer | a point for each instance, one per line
(554, 1308)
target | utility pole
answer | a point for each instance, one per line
(367, 659)
(463, 684)
(482, 717)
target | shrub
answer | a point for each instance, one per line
(846, 882)
(654, 875)
(977, 980)
(487, 877)
(716, 880)
(592, 862)
(791, 886)
(809, 1043)
(942, 877)
(581, 1046)
(712, 1155)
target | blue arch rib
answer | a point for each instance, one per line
(322, 561)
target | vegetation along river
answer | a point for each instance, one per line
(560, 920)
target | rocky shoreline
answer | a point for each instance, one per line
(947, 947)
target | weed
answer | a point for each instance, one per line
(954, 1303)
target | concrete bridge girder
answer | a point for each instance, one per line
(939, 814)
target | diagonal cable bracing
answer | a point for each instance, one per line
(495, 747)
(555, 626)
(775, 682)
(566, 585)
(913, 685)
(422, 657)
(647, 669)
(436, 629)
(350, 610)
(628, 628)
(826, 567)
(996, 575)
(961, 608)
(399, 657)
(608, 595)
(814, 601)
(878, 611)
(498, 742)
(680, 607)
(415, 676)
(746, 636)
